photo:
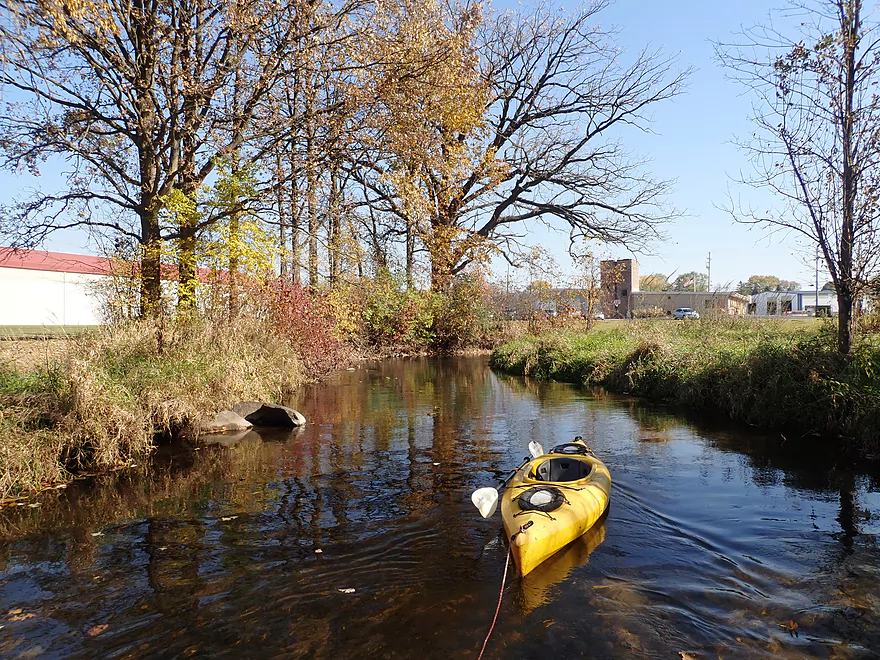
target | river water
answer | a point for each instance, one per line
(720, 542)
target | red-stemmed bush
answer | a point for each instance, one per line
(304, 318)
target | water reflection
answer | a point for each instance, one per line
(536, 588)
(716, 537)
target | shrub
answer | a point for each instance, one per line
(383, 312)
(463, 317)
(305, 318)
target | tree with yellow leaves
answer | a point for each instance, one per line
(495, 122)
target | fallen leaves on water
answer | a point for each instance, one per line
(94, 631)
(349, 590)
(791, 627)
(19, 615)
(687, 656)
(228, 518)
(319, 551)
(97, 533)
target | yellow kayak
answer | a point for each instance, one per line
(553, 500)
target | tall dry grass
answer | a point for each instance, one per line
(104, 402)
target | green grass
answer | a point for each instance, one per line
(774, 374)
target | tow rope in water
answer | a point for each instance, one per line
(497, 609)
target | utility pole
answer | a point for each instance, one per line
(709, 274)
(816, 309)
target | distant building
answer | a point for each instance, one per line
(619, 279)
(50, 288)
(705, 303)
(621, 298)
(784, 303)
(40, 288)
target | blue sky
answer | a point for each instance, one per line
(691, 142)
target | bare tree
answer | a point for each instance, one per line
(314, 109)
(817, 143)
(545, 145)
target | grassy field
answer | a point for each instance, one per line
(783, 324)
(14, 332)
(776, 374)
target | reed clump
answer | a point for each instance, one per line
(766, 373)
(106, 399)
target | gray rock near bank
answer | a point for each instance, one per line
(269, 414)
(225, 421)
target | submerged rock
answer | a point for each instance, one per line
(225, 421)
(230, 438)
(269, 414)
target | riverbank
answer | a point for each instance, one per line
(776, 375)
(103, 400)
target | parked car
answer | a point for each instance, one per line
(685, 313)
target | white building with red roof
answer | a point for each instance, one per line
(50, 288)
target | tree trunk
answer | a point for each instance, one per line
(335, 227)
(295, 220)
(844, 320)
(441, 275)
(410, 239)
(410, 255)
(150, 274)
(150, 238)
(234, 259)
(187, 180)
(443, 253)
(282, 215)
(312, 196)
(186, 268)
(850, 21)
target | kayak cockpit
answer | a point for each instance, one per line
(562, 468)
